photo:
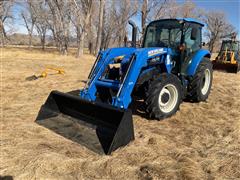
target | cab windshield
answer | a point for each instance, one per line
(163, 34)
(230, 46)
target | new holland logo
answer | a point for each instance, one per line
(155, 51)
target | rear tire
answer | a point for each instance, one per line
(163, 96)
(200, 85)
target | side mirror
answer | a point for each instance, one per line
(194, 33)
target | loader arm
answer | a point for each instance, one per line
(89, 92)
(137, 59)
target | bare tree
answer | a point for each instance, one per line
(5, 16)
(126, 9)
(151, 10)
(81, 19)
(92, 30)
(59, 23)
(108, 24)
(29, 18)
(188, 9)
(165, 9)
(123, 13)
(41, 23)
(100, 26)
(115, 20)
(174, 9)
(144, 12)
(217, 27)
(103, 23)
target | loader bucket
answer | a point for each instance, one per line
(99, 127)
(232, 68)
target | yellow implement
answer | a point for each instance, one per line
(47, 71)
(229, 56)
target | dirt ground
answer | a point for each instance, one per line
(202, 141)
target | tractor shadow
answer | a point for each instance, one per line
(83, 81)
(6, 177)
(188, 100)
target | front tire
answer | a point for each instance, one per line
(201, 83)
(163, 97)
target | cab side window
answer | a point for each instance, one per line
(192, 45)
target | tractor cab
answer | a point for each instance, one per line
(230, 48)
(230, 45)
(180, 36)
(183, 36)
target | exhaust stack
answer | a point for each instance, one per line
(134, 33)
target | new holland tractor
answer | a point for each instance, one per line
(168, 68)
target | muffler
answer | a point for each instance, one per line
(100, 127)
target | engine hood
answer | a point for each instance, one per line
(153, 51)
(126, 52)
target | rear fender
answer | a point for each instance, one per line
(195, 61)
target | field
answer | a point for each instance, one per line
(202, 141)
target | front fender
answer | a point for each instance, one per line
(147, 75)
(195, 61)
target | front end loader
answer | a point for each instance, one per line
(168, 68)
(228, 58)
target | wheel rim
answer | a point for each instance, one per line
(168, 98)
(206, 81)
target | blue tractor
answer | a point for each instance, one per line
(171, 66)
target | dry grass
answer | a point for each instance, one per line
(202, 141)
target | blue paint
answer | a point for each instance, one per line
(197, 58)
(107, 58)
(134, 64)
(191, 20)
(141, 57)
(108, 83)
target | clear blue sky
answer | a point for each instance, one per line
(230, 7)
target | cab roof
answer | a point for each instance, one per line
(190, 20)
(229, 41)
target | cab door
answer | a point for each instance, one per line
(192, 42)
